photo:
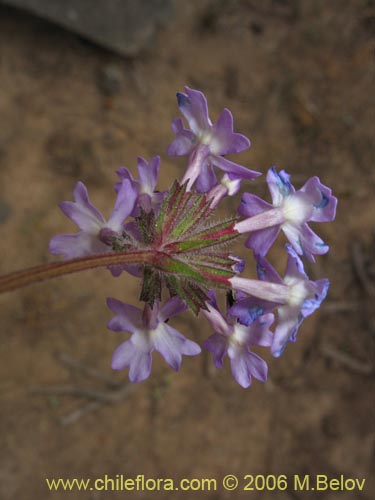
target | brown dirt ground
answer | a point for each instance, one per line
(297, 76)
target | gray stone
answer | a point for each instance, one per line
(124, 26)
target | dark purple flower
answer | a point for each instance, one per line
(145, 185)
(290, 212)
(149, 332)
(205, 143)
(96, 234)
(235, 340)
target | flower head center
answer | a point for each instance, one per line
(299, 290)
(296, 208)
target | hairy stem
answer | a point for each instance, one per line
(43, 272)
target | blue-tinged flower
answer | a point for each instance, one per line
(290, 211)
(303, 298)
(150, 332)
(96, 235)
(205, 143)
(148, 199)
(235, 340)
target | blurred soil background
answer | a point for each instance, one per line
(298, 77)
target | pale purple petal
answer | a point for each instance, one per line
(206, 180)
(148, 174)
(217, 344)
(251, 205)
(140, 366)
(76, 245)
(224, 140)
(217, 321)
(261, 241)
(294, 267)
(260, 333)
(171, 345)
(124, 173)
(233, 168)
(258, 367)
(134, 269)
(305, 241)
(139, 361)
(171, 308)
(310, 305)
(123, 355)
(184, 142)
(245, 364)
(324, 203)
(279, 185)
(126, 198)
(289, 320)
(81, 211)
(193, 106)
(116, 270)
(128, 318)
(266, 272)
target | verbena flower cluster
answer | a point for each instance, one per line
(188, 253)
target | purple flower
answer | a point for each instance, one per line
(290, 212)
(96, 234)
(229, 185)
(303, 298)
(235, 340)
(149, 331)
(148, 173)
(205, 143)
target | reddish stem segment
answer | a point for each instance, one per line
(43, 272)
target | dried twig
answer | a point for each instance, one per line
(88, 370)
(355, 365)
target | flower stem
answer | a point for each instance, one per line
(43, 272)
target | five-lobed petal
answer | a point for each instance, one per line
(205, 143)
(94, 229)
(149, 333)
(236, 340)
(290, 211)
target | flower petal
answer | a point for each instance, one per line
(252, 205)
(261, 241)
(148, 174)
(126, 198)
(304, 240)
(206, 179)
(324, 202)
(193, 106)
(266, 272)
(82, 212)
(128, 318)
(224, 141)
(233, 168)
(184, 142)
(171, 345)
(76, 245)
(217, 344)
(289, 320)
(310, 305)
(217, 321)
(171, 308)
(279, 185)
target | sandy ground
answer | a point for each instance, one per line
(297, 77)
